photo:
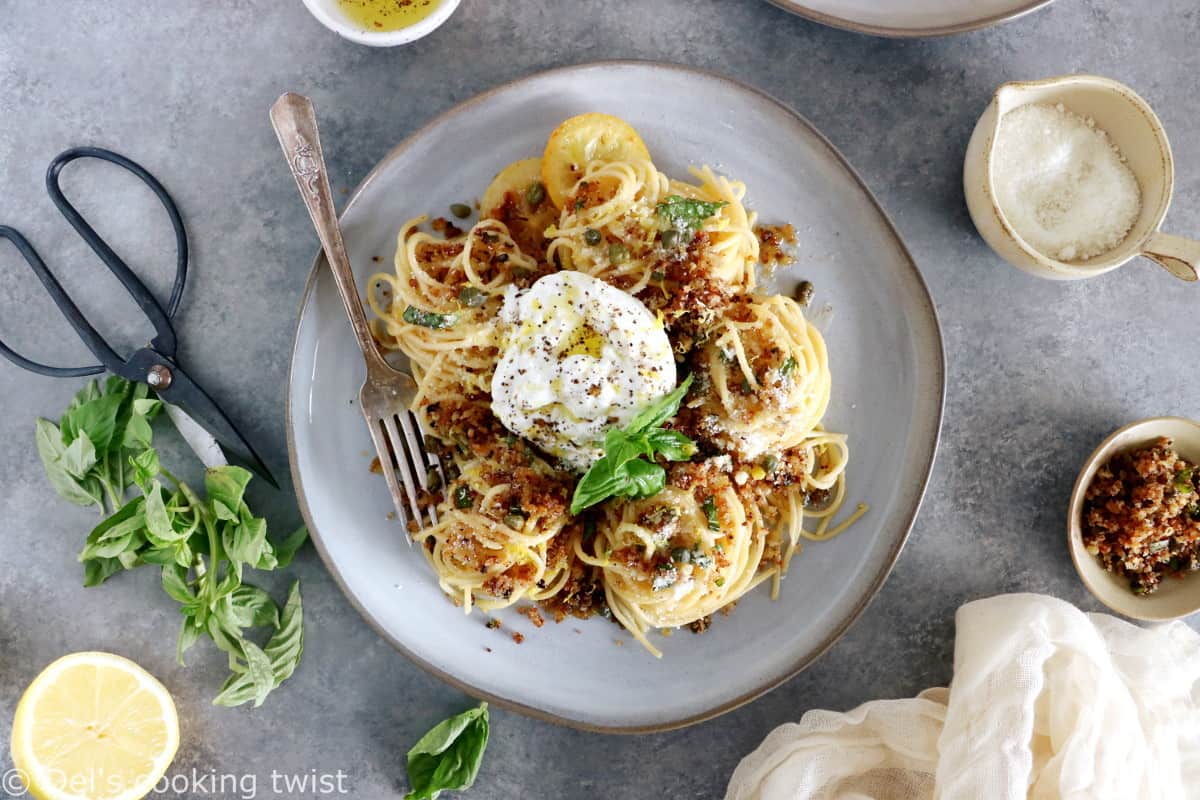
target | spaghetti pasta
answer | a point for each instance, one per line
(766, 476)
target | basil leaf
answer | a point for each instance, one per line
(189, 632)
(286, 548)
(448, 756)
(231, 579)
(259, 671)
(224, 642)
(97, 570)
(226, 485)
(685, 214)
(66, 422)
(287, 643)
(137, 434)
(162, 556)
(599, 483)
(145, 468)
(109, 548)
(620, 447)
(245, 542)
(115, 384)
(80, 456)
(266, 558)
(118, 527)
(253, 607)
(50, 449)
(429, 319)
(660, 410)
(671, 445)
(175, 583)
(88, 393)
(97, 419)
(644, 479)
(147, 407)
(159, 525)
(127, 392)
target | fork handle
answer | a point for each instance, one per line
(295, 124)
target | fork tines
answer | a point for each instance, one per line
(412, 473)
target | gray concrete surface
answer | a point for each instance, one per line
(1039, 372)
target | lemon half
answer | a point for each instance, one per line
(94, 726)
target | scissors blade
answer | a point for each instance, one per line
(203, 443)
(195, 402)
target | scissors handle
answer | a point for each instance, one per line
(69, 309)
(164, 340)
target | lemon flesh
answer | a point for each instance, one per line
(94, 726)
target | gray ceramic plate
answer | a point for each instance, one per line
(886, 354)
(910, 18)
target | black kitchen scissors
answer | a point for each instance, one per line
(155, 364)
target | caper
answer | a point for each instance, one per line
(670, 238)
(681, 555)
(514, 520)
(433, 479)
(535, 194)
(617, 253)
(472, 297)
(463, 497)
(460, 210)
(592, 236)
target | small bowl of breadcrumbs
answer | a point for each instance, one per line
(1134, 522)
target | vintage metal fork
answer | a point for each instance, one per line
(387, 393)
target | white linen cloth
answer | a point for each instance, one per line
(1046, 702)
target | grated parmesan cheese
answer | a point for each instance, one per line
(1062, 184)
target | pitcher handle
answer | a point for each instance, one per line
(1175, 254)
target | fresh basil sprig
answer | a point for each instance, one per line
(447, 758)
(101, 448)
(686, 215)
(627, 468)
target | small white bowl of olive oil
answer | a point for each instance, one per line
(382, 23)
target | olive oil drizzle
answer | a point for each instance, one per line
(387, 15)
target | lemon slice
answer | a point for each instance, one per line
(582, 140)
(517, 178)
(517, 197)
(94, 726)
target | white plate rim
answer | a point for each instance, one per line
(900, 32)
(925, 460)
